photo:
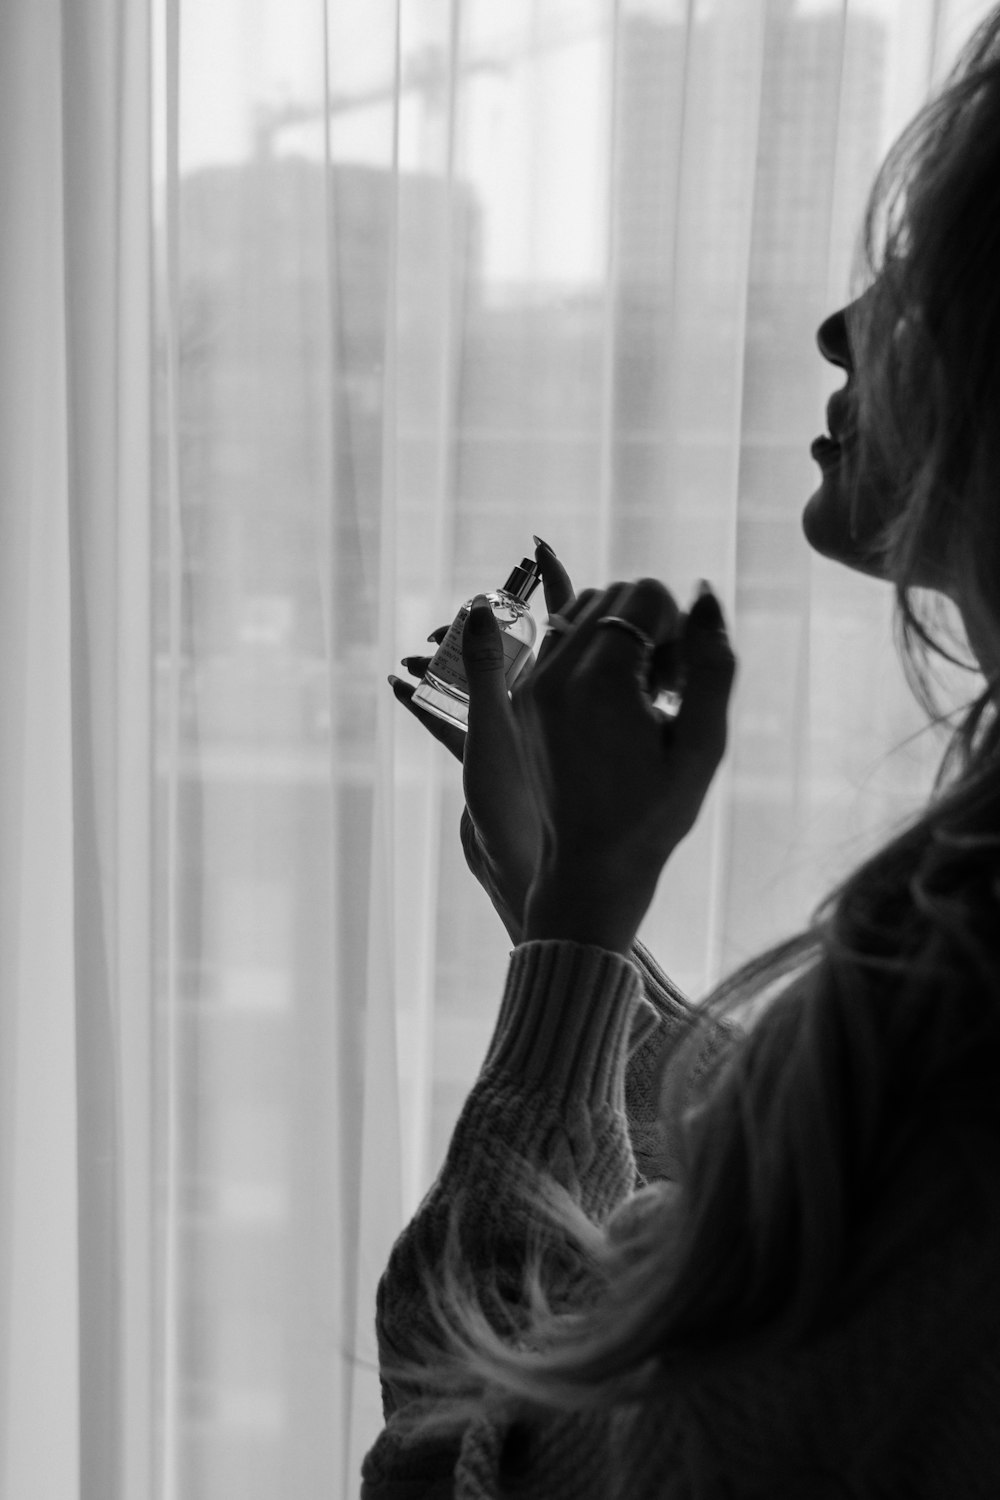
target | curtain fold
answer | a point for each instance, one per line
(311, 314)
(74, 434)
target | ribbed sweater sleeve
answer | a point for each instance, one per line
(549, 1100)
(565, 1024)
(657, 1066)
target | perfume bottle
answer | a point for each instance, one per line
(445, 689)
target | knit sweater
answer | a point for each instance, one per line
(901, 1399)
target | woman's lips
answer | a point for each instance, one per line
(826, 451)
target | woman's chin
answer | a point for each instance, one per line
(815, 524)
(850, 522)
(826, 524)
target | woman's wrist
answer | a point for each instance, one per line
(509, 893)
(506, 883)
(511, 913)
(579, 903)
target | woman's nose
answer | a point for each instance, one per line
(832, 339)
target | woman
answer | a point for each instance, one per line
(666, 1255)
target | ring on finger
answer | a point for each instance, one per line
(631, 628)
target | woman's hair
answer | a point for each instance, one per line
(808, 1167)
(925, 341)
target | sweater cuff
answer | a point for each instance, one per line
(566, 1022)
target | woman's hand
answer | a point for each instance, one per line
(617, 783)
(501, 832)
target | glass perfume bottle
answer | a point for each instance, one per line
(445, 689)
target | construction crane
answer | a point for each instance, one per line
(427, 72)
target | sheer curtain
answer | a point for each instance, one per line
(312, 313)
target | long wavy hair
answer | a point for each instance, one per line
(805, 1167)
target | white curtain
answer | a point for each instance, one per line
(310, 315)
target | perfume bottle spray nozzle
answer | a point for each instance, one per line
(524, 579)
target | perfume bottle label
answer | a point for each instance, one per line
(449, 666)
(516, 653)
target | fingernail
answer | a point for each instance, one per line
(433, 637)
(704, 587)
(539, 543)
(391, 680)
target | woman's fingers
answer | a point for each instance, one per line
(491, 722)
(622, 639)
(556, 585)
(700, 728)
(449, 735)
(416, 665)
(574, 614)
(483, 657)
(710, 668)
(608, 650)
